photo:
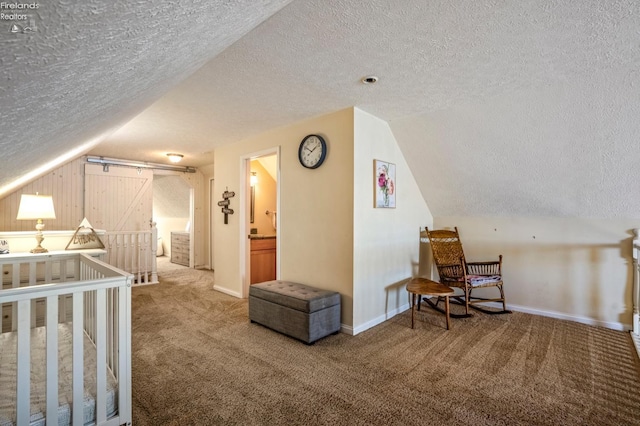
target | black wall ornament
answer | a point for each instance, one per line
(225, 203)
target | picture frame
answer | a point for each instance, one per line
(384, 184)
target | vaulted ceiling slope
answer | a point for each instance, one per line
(90, 66)
(511, 108)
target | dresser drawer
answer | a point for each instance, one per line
(180, 237)
(180, 259)
(180, 253)
(182, 249)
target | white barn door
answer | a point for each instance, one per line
(120, 199)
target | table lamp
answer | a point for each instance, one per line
(36, 207)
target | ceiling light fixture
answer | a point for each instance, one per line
(370, 79)
(174, 158)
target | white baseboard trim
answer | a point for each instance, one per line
(563, 316)
(525, 309)
(227, 291)
(346, 329)
(379, 320)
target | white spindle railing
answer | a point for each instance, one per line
(134, 252)
(101, 297)
(635, 333)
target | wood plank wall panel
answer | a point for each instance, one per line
(64, 184)
(120, 199)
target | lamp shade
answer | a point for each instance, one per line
(34, 207)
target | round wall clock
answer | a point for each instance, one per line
(312, 151)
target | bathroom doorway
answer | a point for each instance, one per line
(261, 250)
(263, 213)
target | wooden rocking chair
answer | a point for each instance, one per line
(455, 271)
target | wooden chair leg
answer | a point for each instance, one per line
(467, 296)
(413, 307)
(446, 308)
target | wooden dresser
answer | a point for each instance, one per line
(180, 248)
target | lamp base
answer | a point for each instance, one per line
(39, 239)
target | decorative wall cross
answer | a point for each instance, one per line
(225, 204)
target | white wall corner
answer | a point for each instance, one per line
(227, 291)
(636, 284)
(346, 329)
(379, 320)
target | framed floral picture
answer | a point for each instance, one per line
(384, 184)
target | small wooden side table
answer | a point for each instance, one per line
(426, 287)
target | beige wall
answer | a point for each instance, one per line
(331, 236)
(386, 241)
(578, 269)
(316, 208)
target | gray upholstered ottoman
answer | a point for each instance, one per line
(297, 310)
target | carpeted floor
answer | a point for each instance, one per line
(198, 360)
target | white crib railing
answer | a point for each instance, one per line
(635, 333)
(134, 252)
(23, 270)
(101, 308)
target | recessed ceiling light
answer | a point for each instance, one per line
(370, 79)
(174, 158)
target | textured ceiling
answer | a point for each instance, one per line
(512, 108)
(91, 66)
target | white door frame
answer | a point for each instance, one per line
(192, 225)
(245, 225)
(210, 222)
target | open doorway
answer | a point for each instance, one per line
(261, 219)
(173, 214)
